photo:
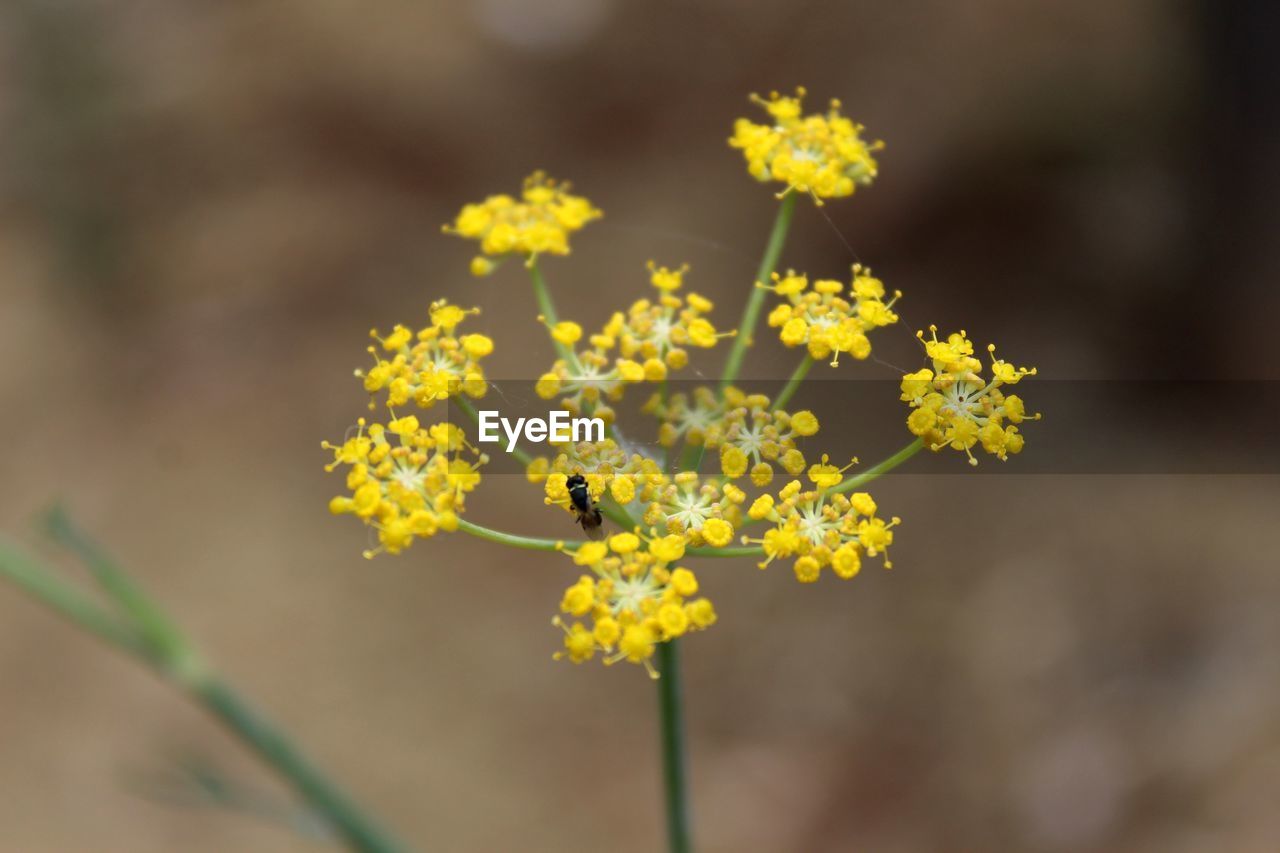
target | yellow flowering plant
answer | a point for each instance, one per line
(630, 598)
(768, 494)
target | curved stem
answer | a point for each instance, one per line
(793, 384)
(880, 468)
(537, 543)
(515, 540)
(522, 456)
(751, 314)
(674, 777)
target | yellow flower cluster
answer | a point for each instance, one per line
(827, 321)
(540, 222)
(954, 406)
(822, 155)
(642, 344)
(689, 416)
(820, 528)
(632, 600)
(605, 465)
(433, 364)
(704, 512)
(752, 437)
(406, 481)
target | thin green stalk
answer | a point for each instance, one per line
(674, 777)
(538, 543)
(522, 456)
(528, 543)
(143, 630)
(548, 308)
(617, 513)
(156, 629)
(751, 314)
(691, 456)
(880, 468)
(68, 601)
(793, 384)
(273, 747)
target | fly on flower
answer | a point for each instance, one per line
(587, 512)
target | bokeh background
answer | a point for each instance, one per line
(204, 207)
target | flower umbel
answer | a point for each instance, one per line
(606, 466)
(828, 321)
(753, 437)
(406, 481)
(643, 344)
(822, 529)
(632, 600)
(705, 512)
(823, 155)
(538, 223)
(954, 406)
(433, 364)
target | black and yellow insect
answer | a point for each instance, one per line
(583, 507)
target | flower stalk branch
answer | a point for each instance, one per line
(755, 300)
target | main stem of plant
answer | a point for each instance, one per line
(670, 689)
(671, 714)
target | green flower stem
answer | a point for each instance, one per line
(158, 632)
(136, 630)
(674, 777)
(691, 457)
(881, 468)
(528, 543)
(751, 314)
(617, 513)
(793, 384)
(522, 456)
(535, 543)
(548, 308)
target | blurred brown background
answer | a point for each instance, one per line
(204, 206)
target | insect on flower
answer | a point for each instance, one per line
(583, 507)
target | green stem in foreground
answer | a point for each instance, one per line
(144, 631)
(674, 776)
(548, 308)
(793, 384)
(751, 314)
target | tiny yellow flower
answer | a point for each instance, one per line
(566, 333)
(717, 532)
(624, 543)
